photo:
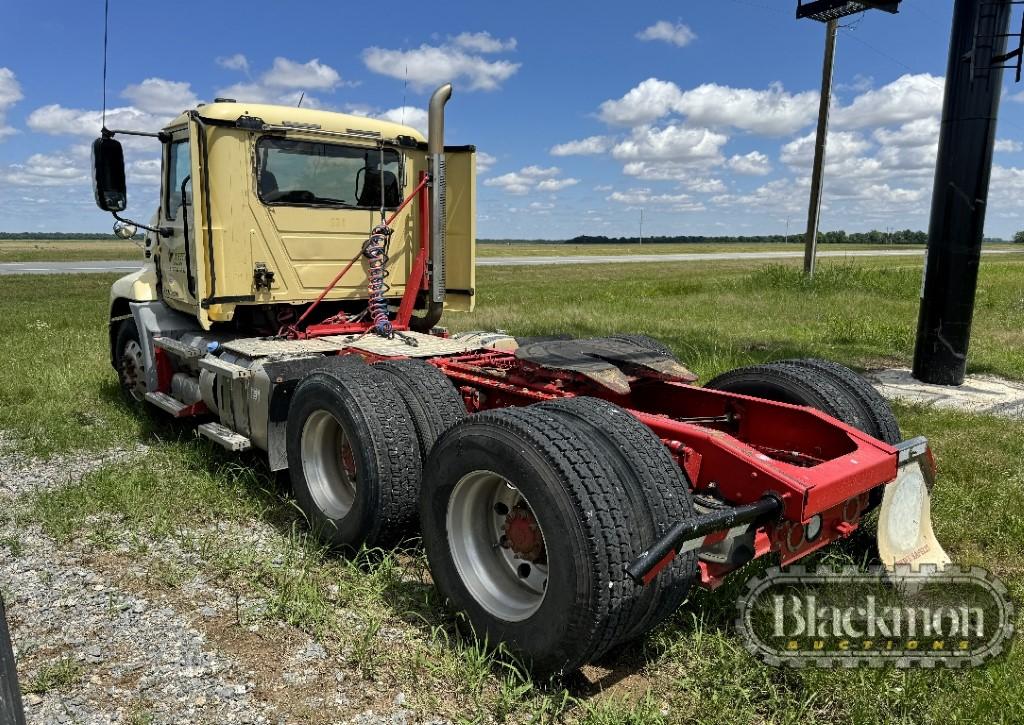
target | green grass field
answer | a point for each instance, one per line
(70, 250)
(60, 394)
(490, 249)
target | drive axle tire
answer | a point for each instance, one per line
(526, 534)
(789, 383)
(658, 488)
(353, 457)
(877, 412)
(434, 403)
(130, 363)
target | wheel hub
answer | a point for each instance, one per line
(497, 545)
(133, 369)
(522, 535)
(328, 464)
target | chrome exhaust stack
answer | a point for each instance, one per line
(435, 157)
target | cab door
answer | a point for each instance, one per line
(178, 257)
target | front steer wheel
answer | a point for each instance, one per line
(130, 362)
(528, 535)
(353, 457)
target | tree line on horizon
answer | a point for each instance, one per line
(69, 236)
(905, 236)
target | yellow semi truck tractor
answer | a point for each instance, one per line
(568, 492)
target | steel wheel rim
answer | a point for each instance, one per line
(491, 572)
(133, 369)
(328, 464)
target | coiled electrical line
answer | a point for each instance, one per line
(375, 249)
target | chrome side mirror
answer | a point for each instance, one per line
(125, 230)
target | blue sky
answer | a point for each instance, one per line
(700, 113)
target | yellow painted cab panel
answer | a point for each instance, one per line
(460, 235)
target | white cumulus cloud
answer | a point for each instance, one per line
(908, 98)
(483, 42)
(57, 120)
(643, 197)
(10, 93)
(160, 96)
(234, 62)
(312, 75)
(531, 178)
(674, 33)
(582, 147)
(914, 133)
(484, 161)
(771, 112)
(754, 163)
(284, 83)
(556, 184)
(647, 101)
(512, 182)
(840, 146)
(671, 143)
(430, 65)
(408, 115)
(47, 170)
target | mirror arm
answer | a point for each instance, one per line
(162, 231)
(111, 132)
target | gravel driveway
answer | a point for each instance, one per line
(96, 642)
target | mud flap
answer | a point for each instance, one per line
(905, 535)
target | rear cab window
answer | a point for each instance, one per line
(314, 173)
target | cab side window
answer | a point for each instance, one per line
(179, 167)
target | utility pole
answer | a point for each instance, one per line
(814, 210)
(641, 226)
(828, 12)
(974, 80)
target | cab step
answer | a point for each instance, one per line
(225, 437)
(168, 404)
(223, 367)
(178, 348)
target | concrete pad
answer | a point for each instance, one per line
(982, 394)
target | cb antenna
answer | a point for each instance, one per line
(405, 87)
(301, 96)
(106, 24)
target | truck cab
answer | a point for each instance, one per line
(261, 205)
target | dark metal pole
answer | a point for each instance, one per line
(959, 198)
(814, 211)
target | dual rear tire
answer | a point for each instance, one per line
(355, 438)
(824, 385)
(821, 384)
(529, 516)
